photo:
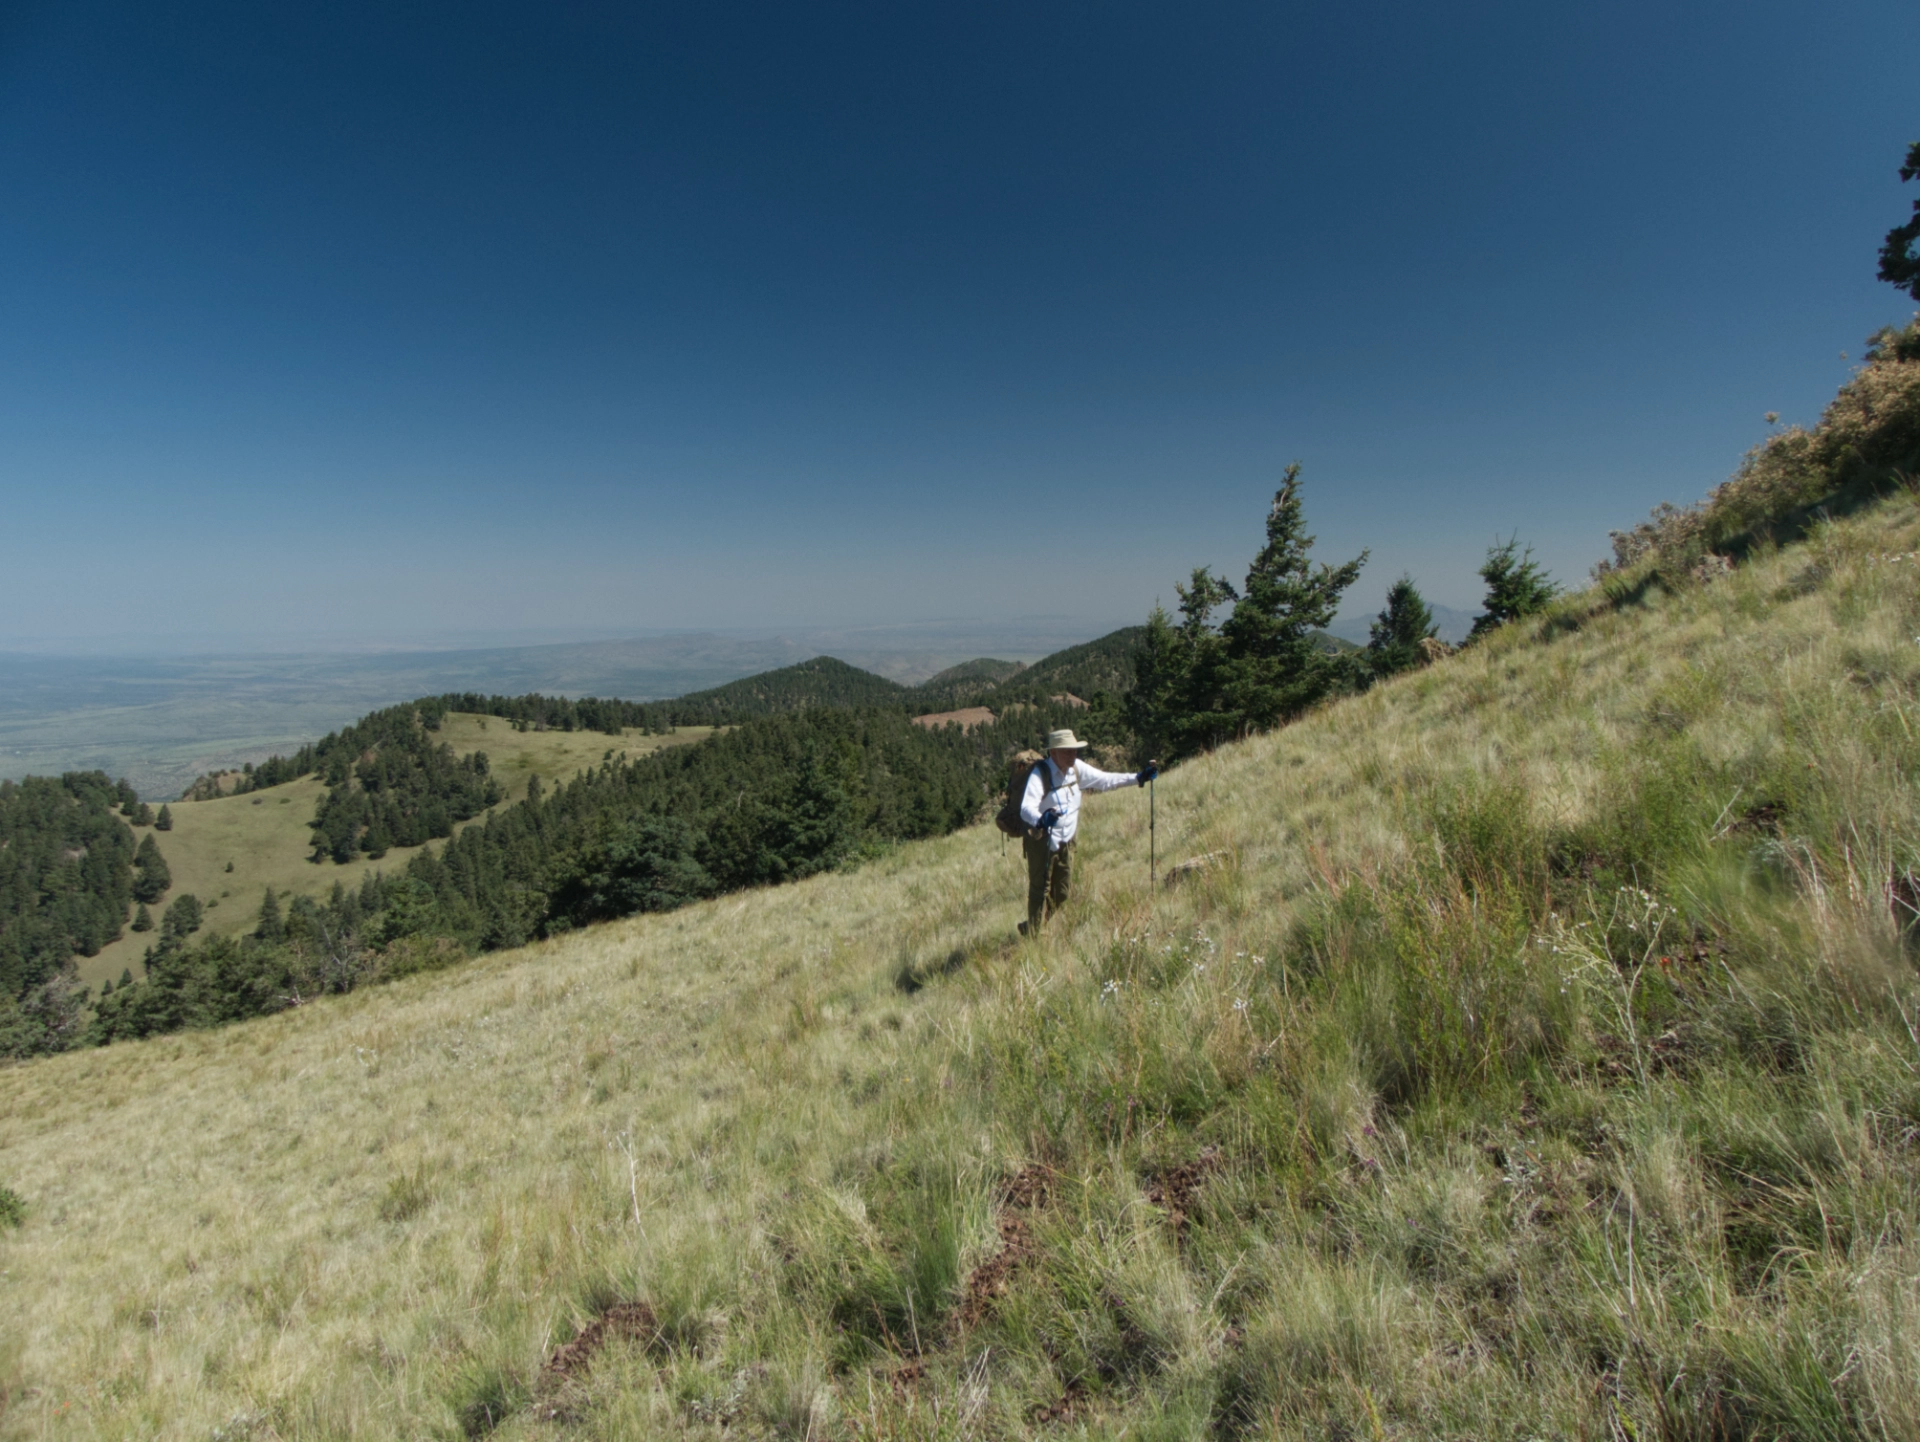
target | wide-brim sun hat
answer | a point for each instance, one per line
(1064, 741)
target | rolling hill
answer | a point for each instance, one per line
(228, 851)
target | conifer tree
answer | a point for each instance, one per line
(164, 822)
(1277, 666)
(1516, 587)
(1198, 685)
(150, 875)
(1176, 706)
(1899, 261)
(183, 917)
(270, 926)
(1393, 641)
(142, 920)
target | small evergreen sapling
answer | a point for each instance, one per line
(142, 918)
(163, 822)
(1393, 641)
(1516, 587)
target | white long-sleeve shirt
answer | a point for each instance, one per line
(1050, 789)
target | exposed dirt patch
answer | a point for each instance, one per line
(1763, 818)
(1062, 1409)
(1174, 1189)
(966, 719)
(991, 1279)
(1026, 1189)
(906, 1380)
(632, 1321)
(1903, 898)
(1195, 866)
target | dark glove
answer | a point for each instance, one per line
(1048, 818)
(1148, 772)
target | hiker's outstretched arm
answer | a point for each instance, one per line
(1092, 778)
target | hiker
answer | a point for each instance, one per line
(1050, 810)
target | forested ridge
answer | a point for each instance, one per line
(392, 782)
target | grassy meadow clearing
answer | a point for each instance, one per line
(1537, 1055)
(264, 836)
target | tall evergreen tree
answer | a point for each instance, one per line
(142, 918)
(1517, 587)
(1276, 665)
(1393, 641)
(1198, 685)
(164, 821)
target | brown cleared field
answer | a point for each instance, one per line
(263, 836)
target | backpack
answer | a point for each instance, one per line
(1007, 818)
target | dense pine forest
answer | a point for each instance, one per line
(69, 872)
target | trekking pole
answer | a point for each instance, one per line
(1153, 858)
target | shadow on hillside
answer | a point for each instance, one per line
(1796, 525)
(1786, 529)
(916, 974)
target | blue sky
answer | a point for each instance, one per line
(374, 321)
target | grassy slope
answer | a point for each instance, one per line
(1456, 1195)
(264, 833)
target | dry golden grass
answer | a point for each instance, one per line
(377, 1216)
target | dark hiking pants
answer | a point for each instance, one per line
(1049, 878)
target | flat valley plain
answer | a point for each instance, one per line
(162, 721)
